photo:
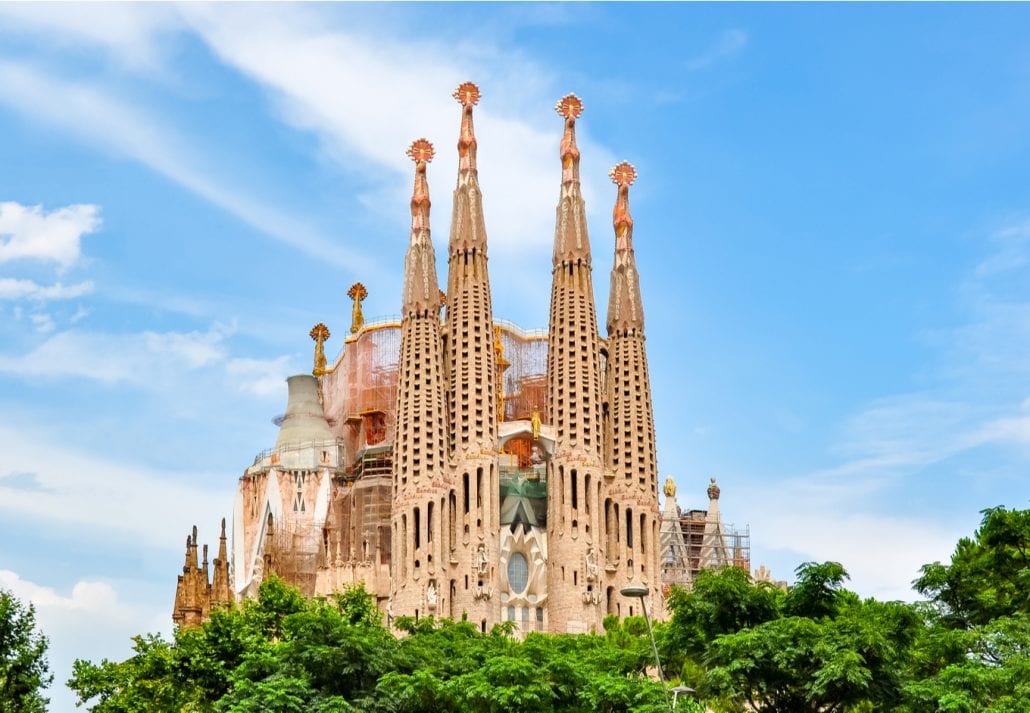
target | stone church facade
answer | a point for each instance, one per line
(460, 466)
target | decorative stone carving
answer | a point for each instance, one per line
(591, 567)
(482, 562)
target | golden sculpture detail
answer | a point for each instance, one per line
(623, 176)
(468, 96)
(319, 333)
(571, 108)
(501, 365)
(421, 152)
(536, 425)
(357, 292)
(670, 487)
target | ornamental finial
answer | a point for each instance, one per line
(713, 490)
(319, 333)
(670, 487)
(357, 292)
(623, 175)
(571, 108)
(467, 95)
(421, 152)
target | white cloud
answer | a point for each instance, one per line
(13, 289)
(91, 622)
(139, 359)
(129, 31)
(260, 377)
(43, 322)
(98, 118)
(729, 43)
(308, 67)
(882, 553)
(30, 233)
(127, 503)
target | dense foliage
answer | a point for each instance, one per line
(819, 647)
(24, 672)
(285, 653)
(742, 645)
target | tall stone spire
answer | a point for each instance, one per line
(573, 405)
(631, 451)
(421, 290)
(221, 587)
(625, 312)
(471, 383)
(420, 446)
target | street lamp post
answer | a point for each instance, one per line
(640, 593)
(676, 691)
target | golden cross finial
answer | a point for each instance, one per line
(357, 292)
(319, 333)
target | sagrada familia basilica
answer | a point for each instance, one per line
(459, 466)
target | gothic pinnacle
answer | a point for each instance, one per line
(625, 313)
(421, 293)
(468, 96)
(421, 152)
(623, 176)
(570, 107)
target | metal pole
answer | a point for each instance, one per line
(658, 661)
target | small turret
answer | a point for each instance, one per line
(304, 421)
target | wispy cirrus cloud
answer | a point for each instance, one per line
(148, 360)
(977, 398)
(96, 116)
(730, 43)
(15, 289)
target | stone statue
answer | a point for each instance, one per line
(482, 562)
(591, 564)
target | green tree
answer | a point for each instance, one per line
(817, 648)
(975, 651)
(988, 576)
(286, 653)
(24, 671)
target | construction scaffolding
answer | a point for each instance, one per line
(525, 377)
(359, 393)
(732, 548)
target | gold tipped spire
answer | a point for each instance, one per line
(319, 333)
(502, 365)
(421, 152)
(571, 108)
(468, 96)
(670, 487)
(623, 175)
(357, 292)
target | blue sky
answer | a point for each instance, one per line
(832, 230)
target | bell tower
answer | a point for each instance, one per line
(574, 405)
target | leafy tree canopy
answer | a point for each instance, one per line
(24, 671)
